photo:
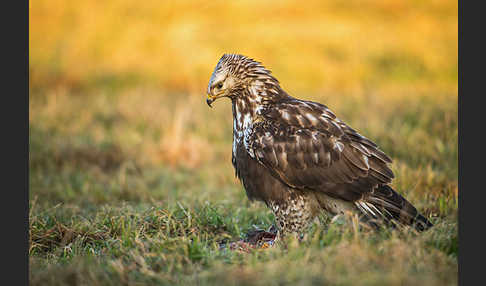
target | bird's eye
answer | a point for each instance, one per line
(219, 85)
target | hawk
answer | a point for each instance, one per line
(299, 158)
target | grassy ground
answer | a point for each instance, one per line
(131, 180)
(113, 201)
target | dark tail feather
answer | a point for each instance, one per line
(385, 203)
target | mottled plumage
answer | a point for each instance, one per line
(299, 158)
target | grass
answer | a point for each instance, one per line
(130, 177)
(112, 203)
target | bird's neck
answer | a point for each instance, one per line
(245, 109)
(252, 101)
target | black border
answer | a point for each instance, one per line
(471, 144)
(15, 141)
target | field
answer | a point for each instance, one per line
(131, 180)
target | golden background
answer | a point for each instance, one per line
(319, 46)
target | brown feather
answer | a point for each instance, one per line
(358, 159)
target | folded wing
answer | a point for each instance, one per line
(306, 146)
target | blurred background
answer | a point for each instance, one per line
(119, 86)
(173, 45)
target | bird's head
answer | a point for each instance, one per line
(234, 74)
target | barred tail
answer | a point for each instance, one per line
(385, 203)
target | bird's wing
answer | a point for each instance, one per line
(306, 146)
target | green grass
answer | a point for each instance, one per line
(136, 187)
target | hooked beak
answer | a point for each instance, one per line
(211, 98)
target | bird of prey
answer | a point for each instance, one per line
(299, 158)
